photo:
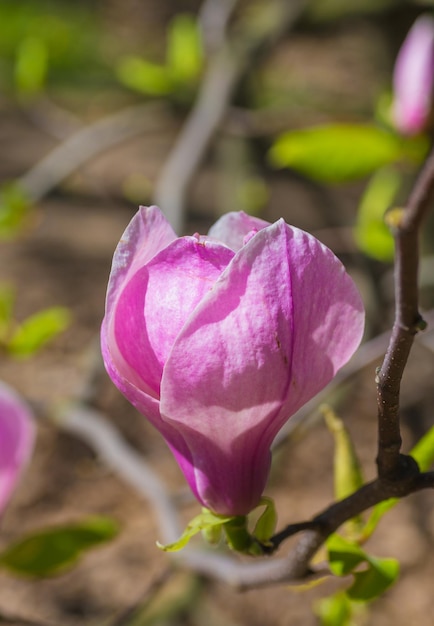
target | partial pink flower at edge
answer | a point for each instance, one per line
(413, 78)
(17, 434)
(262, 321)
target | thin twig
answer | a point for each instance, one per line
(91, 426)
(85, 144)
(223, 73)
(405, 225)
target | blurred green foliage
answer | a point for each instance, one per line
(27, 338)
(371, 233)
(14, 208)
(337, 153)
(54, 550)
(51, 41)
(180, 73)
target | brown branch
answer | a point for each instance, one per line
(398, 475)
(404, 224)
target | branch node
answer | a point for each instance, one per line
(401, 476)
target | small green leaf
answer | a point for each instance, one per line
(339, 152)
(145, 77)
(377, 513)
(371, 233)
(7, 301)
(206, 521)
(344, 555)
(266, 524)
(52, 551)
(31, 66)
(348, 475)
(371, 583)
(184, 49)
(423, 451)
(334, 611)
(37, 330)
(373, 580)
(14, 206)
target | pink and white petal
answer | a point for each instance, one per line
(17, 435)
(148, 233)
(149, 407)
(232, 229)
(328, 316)
(229, 369)
(179, 279)
(157, 301)
(233, 355)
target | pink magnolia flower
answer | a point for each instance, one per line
(219, 339)
(17, 433)
(414, 77)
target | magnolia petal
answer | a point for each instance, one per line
(414, 77)
(328, 316)
(158, 300)
(232, 228)
(17, 434)
(229, 371)
(146, 234)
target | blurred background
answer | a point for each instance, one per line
(201, 107)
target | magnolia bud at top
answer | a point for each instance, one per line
(17, 433)
(219, 339)
(414, 77)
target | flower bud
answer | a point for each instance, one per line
(413, 78)
(219, 339)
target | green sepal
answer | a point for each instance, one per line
(206, 521)
(265, 527)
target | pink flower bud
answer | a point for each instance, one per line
(413, 78)
(17, 433)
(218, 340)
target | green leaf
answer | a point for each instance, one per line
(14, 206)
(7, 300)
(371, 233)
(375, 517)
(184, 49)
(340, 152)
(378, 575)
(37, 330)
(145, 77)
(344, 555)
(206, 521)
(334, 611)
(348, 475)
(371, 583)
(31, 66)
(52, 551)
(423, 451)
(266, 524)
